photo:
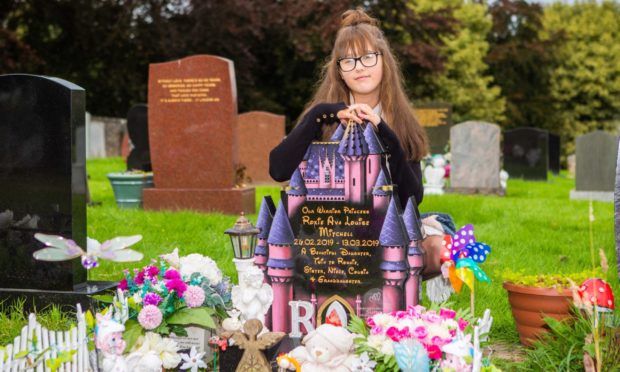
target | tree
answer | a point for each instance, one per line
(465, 82)
(585, 84)
(521, 62)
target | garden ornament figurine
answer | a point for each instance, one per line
(326, 349)
(249, 340)
(252, 296)
(435, 176)
(109, 340)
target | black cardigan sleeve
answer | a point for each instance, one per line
(407, 174)
(285, 157)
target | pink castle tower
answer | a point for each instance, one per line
(415, 257)
(296, 192)
(393, 238)
(354, 150)
(280, 269)
(327, 171)
(265, 217)
(303, 166)
(381, 194)
(373, 162)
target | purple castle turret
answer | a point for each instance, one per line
(338, 134)
(296, 192)
(381, 194)
(280, 269)
(415, 256)
(394, 240)
(354, 150)
(373, 162)
(265, 217)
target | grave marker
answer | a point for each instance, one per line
(137, 128)
(526, 153)
(436, 118)
(596, 154)
(193, 137)
(259, 133)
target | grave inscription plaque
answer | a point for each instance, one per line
(193, 137)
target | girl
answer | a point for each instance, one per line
(363, 73)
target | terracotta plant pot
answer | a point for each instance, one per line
(531, 304)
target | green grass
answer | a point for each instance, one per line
(535, 228)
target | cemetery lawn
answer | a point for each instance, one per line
(536, 228)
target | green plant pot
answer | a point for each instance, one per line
(128, 187)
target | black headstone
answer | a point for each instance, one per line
(436, 118)
(42, 183)
(137, 127)
(554, 153)
(526, 153)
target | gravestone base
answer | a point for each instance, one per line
(604, 196)
(35, 299)
(228, 201)
(477, 191)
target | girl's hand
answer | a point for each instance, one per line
(348, 114)
(365, 112)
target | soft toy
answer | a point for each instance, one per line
(326, 349)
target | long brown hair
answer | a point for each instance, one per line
(358, 31)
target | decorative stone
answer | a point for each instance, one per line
(475, 162)
(193, 137)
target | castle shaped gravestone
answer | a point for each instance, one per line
(42, 187)
(193, 137)
(339, 243)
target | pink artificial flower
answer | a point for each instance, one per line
(151, 271)
(462, 324)
(446, 171)
(172, 274)
(152, 299)
(399, 314)
(398, 334)
(447, 313)
(434, 352)
(139, 279)
(150, 317)
(420, 332)
(122, 285)
(194, 296)
(452, 333)
(436, 340)
(376, 330)
(370, 322)
(431, 317)
(176, 285)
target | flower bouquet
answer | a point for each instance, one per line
(418, 339)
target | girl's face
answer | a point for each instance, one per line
(362, 73)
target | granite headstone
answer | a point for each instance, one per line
(596, 154)
(526, 153)
(137, 127)
(554, 153)
(42, 186)
(259, 133)
(193, 136)
(436, 118)
(475, 163)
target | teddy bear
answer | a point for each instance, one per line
(326, 349)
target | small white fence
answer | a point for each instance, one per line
(36, 345)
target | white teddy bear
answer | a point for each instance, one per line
(326, 349)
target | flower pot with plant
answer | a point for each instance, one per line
(533, 297)
(128, 187)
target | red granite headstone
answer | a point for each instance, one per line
(259, 133)
(193, 137)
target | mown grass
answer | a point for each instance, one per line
(535, 228)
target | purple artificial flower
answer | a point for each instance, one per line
(151, 271)
(152, 299)
(122, 285)
(176, 285)
(139, 280)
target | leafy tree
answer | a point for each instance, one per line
(465, 82)
(521, 62)
(585, 84)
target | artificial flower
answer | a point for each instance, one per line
(194, 296)
(165, 348)
(150, 317)
(122, 285)
(362, 363)
(197, 263)
(172, 274)
(152, 299)
(137, 298)
(193, 360)
(176, 285)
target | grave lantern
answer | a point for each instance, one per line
(243, 240)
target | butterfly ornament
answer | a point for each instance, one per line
(61, 249)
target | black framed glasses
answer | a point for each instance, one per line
(367, 60)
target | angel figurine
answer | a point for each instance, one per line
(252, 296)
(253, 360)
